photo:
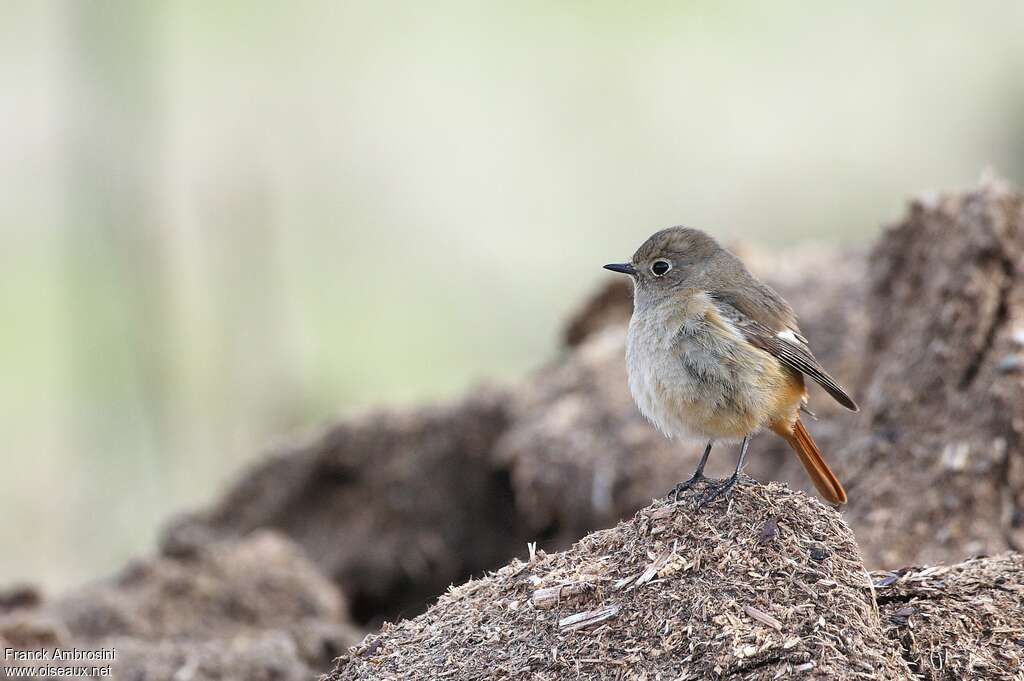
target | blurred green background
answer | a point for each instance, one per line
(224, 222)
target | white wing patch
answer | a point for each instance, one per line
(789, 336)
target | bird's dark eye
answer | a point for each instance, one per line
(660, 267)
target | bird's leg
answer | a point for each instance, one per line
(716, 491)
(697, 476)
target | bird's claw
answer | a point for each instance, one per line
(715, 491)
(683, 486)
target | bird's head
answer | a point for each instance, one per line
(667, 260)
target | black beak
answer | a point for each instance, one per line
(622, 268)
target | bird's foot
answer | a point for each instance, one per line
(715, 491)
(683, 486)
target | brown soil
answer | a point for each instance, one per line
(253, 609)
(957, 622)
(767, 584)
(938, 458)
(393, 505)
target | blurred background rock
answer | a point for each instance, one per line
(223, 222)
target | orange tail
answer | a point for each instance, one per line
(810, 456)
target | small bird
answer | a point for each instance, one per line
(715, 355)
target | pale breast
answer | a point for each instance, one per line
(693, 375)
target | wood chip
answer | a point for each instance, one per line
(623, 582)
(551, 596)
(581, 620)
(652, 569)
(763, 617)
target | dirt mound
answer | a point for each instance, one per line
(393, 505)
(767, 583)
(253, 608)
(958, 622)
(937, 464)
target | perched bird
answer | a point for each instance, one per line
(715, 355)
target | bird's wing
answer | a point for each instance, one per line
(786, 345)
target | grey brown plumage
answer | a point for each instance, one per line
(793, 351)
(714, 353)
